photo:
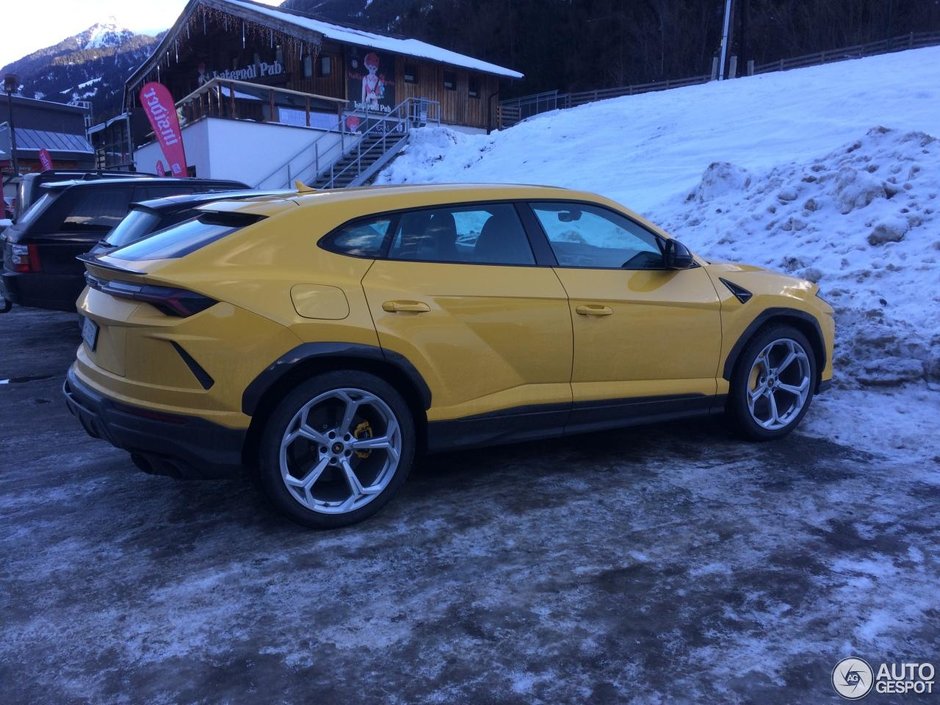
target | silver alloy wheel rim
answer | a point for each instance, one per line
(778, 384)
(334, 449)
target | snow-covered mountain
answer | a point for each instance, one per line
(104, 35)
(831, 173)
(90, 65)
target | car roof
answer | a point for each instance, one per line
(79, 174)
(191, 200)
(153, 180)
(393, 197)
(364, 201)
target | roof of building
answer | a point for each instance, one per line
(310, 28)
(359, 37)
(28, 140)
(24, 101)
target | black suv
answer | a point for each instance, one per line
(30, 189)
(39, 251)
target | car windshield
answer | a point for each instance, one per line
(135, 225)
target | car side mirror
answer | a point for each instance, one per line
(676, 255)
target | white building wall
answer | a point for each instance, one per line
(262, 155)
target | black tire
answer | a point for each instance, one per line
(777, 409)
(321, 404)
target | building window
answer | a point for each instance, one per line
(308, 66)
(325, 66)
(450, 80)
(473, 87)
(411, 73)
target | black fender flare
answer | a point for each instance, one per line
(766, 316)
(307, 352)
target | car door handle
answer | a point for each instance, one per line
(405, 307)
(594, 310)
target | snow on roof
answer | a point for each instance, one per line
(348, 35)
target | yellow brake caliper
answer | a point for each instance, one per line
(363, 431)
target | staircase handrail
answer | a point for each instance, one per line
(400, 120)
(315, 145)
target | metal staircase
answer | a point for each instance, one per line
(356, 157)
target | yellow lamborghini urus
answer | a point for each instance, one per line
(322, 339)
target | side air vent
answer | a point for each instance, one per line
(740, 293)
(200, 374)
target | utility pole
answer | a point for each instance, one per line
(724, 40)
(10, 85)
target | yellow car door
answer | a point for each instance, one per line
(460, 296)
(646, 338)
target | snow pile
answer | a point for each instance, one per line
(831, 173)
(861, 221)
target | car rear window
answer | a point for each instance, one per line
(35, 210)
(97, 209)
(186, 237)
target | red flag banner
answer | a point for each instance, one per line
(158, 104)
(161, 170)
(45, 160)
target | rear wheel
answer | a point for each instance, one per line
(772, 386)
(337, 449)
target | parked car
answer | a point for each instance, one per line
(145, 218)
(39, 250)
(322, 340)
(29, 188)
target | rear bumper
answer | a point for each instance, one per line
(187, 447)
(39, 290)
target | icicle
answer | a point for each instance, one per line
(243, 34)
(176, 47)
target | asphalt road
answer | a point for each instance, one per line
(670, 564)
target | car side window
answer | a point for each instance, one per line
(360, 238)
(582, 235)
(477, 234)
(98, 209)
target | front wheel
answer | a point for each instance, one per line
(773, 382)
(337, 449)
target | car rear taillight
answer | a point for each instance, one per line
(167, 299)
(25, 258)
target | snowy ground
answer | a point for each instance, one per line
(831, 173)
(672, 564)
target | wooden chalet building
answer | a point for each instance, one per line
(267, 95)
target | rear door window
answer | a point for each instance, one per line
(360, 238)
(478, 234)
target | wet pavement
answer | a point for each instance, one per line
(667, 564)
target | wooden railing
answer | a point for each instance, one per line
(914, 40)
(241, 100)
(514, 110)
